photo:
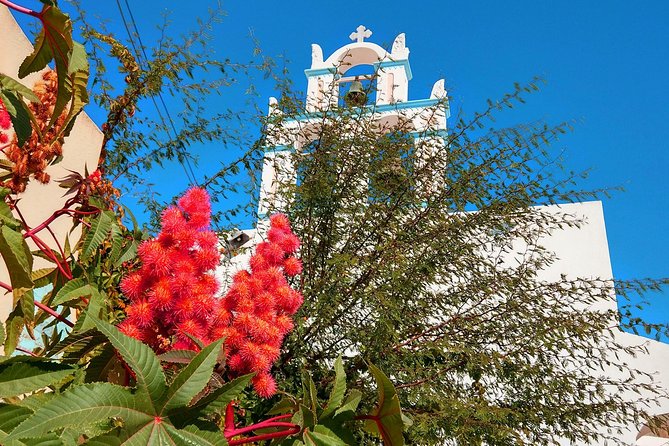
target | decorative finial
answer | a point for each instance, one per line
(361, 33)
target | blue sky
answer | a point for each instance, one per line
(606, 66)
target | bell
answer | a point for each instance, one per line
(356, 95)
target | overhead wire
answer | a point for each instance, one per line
(182, 158)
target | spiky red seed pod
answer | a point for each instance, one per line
(272, 278)
(264, 302)
(264, 385)
(207, 259)
(280, 221)
(195, 202)
(207, 240)
(244, 321)
(271, 352)
(237, 363)
(161, 295)
(284, 323)
(272, 252)
(258, 263)
(275, 234)
(130, 329)
(293, 302)
(133, 286)
(140, 313)
(289, 243)
(292, 266)
(156, 257)
(173, 220)
(191, 327)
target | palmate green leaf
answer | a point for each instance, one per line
(141, 359)
(350, 404)
(386, 419)
(17, 257)
(23, 377)
(322, 436)
(97, 233)
(128, 254)
(95, 310)
(192, 379)
(11, 85)
(83, 405)
(10, 417)
(338, 390)
(77, 83)
(178, 356)
(218, 400)
(53, 42)
(75, 288)
(19, 114)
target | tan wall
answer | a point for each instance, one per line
(81, 148)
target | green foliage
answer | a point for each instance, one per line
(337, 421)
(423, 252)
(143, 416)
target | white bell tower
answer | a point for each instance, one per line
(389, 73)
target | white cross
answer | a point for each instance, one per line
(361, 33)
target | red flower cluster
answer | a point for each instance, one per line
(172, 294)
(5, 123)
(259, 306)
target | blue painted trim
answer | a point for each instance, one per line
(373, 108)
(403, 105)
(279, 148)
(396, 63)
(319, 71)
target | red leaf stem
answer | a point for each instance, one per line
(48, 310)
(20, 9)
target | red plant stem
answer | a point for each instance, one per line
(231, 432)
(48, 310)
(49, 253)
(5, 286)
(55, 239)
(284, 433)
(20, 9)
(23, 350)
(55, 215)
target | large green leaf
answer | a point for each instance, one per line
(23, 377)
(82, 406)
(386, 419)
(95, 310)
(338, 390)
(77, 84)
(19, 114)
(10, 85)
(192, 379)
(17, 257)
(97, 233)
(53, 42)
(73, 289)
(322, 436)
(141, 359)
(218, 400)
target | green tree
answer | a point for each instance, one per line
(425, 256)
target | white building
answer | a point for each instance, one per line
(581, 252)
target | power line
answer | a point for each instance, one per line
(187, 167)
